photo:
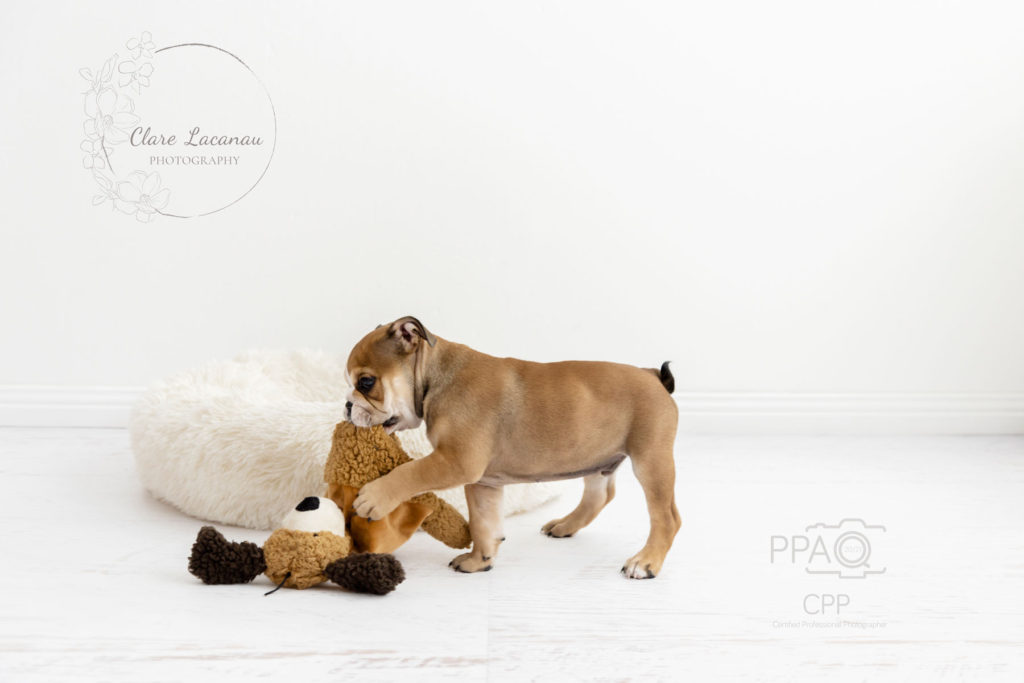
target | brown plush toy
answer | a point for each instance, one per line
(310, 548)
(362, 454)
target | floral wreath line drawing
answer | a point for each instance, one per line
(109, 118)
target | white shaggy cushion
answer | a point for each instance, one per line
(241, 442)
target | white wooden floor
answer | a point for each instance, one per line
(95, 585)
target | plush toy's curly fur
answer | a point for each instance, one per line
(360, 455)
(366, 573)
(215, 560)
(298, 558)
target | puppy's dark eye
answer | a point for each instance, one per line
(366, 383)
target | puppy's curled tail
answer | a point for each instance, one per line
(665, 375)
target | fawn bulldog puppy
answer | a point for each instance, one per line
(495, 421)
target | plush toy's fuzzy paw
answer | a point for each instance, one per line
(367, 573)
(215, 560)
(445, 523)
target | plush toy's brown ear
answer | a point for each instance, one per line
(383, 535)
(388, 534)
(214, 560)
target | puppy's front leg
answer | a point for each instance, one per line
(485, 526)
(439, 470)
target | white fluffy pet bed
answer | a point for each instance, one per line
(241, 442)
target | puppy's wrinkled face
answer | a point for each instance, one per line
(380, 371)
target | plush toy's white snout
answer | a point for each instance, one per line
(315, 514)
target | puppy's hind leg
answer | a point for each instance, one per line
(598, 491)
(655, 469)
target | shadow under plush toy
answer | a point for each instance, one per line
(358, 456)
(311, 547)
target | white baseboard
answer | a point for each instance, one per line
(50, 406)
(699, 413)
(859, 413)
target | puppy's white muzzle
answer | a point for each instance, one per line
(361, 417)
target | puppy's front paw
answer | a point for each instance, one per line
(558, 528)
(467, 563)
(374, 501)
(643, 565)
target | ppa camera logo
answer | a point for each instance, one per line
(844, 549)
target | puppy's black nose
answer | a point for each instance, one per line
(310, 503)
(348, 409)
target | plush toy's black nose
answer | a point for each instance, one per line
(348, 409)
(310, 503)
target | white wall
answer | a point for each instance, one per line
(780, 197)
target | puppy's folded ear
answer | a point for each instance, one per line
(409, 331)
